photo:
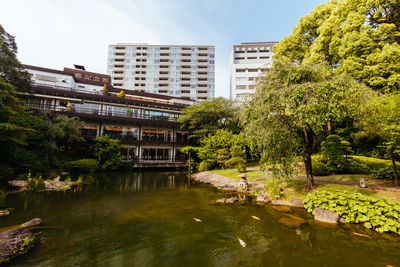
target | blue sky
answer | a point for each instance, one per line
(57, 34)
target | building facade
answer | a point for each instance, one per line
(174, 70)
(247, 62)
(145, 123)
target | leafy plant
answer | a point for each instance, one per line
(108, 151)
(82, 166)
(333, 151)
(206, 165)
(383, 173)
(238, 159)
(379, 214)
(222, 157)
(273, 188)
(319, 168)
(121, 94)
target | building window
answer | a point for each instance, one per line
(212, 55)
(212, 61)
(241, 79)
(241, 87)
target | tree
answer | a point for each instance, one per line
(357, 37)
(222, 139)
(333, 150)
(108, 151)
(384, 119)
(238, 159)
(222, 157)
(206, 117)
(294, 108)
(11, 70)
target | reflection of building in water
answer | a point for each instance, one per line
(145, 123)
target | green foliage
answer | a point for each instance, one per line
(273, 188)
(108, 151)
(380, 214)
(206, 165)
(3, 196)
(222, 157)
(222, 139)
(206, 117)
(40, 185)
(319, 168)
(292, 109)
(238, 159)
(373, 163)
(383, 173)
(82, 166)
(121, 94)
(333, 151)
(357, 37)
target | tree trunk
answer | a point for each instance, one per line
(396, 175)
(310, 176)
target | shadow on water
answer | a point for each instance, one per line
(148, 219)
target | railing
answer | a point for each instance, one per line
(140, 138)
(157, 159)
(69, 88)
(104, 112)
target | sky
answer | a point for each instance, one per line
(57, 34)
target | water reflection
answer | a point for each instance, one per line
(146, 219)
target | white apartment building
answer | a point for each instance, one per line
(247, 62)
(185, 71)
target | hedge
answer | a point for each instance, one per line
(82, 166)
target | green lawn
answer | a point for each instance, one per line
(296, 187)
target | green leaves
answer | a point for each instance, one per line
(358, 37)
(379, 214)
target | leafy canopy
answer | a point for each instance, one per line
(206, 117)
(358, 37)
(294, 108)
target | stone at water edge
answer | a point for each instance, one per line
(262, 197)
(33, 222)
(221, 200)
(324, 215)
(15, 242)
(232, 200)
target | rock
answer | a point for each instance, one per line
(262, 197)
(324, 215)
(293, 202)
(221, 200)
(4, 213)
(232, 200)
(33, 222)
(64, 173)
(342, 220)
(15, 242)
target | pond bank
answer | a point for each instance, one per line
(229, 184)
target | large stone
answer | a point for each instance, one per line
(232, 200)
(293, 202)
(33, 222)
(324, 215)
(262, 197)
(14, 242)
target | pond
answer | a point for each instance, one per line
(147, 219)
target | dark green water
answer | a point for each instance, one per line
(146, 219)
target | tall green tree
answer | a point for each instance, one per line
(358, 37)
(384, 119)
(294, 108)
(108, 152)
(206, 117)
(11, 70)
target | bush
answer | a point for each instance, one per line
(381, 215)
(206, 165)
(383, 173)
(40, 185)
(356, 167)
(34, 184)
(333, 151)
(273, 188)
(374, 163)
(319, 168)
(82, 166)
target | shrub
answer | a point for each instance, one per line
(121, 94)
(82, 166)
(374, 163)
(333, 151)
(319, 168)
(40, 185)
(383, 173)
(206, 165)
(381, 215)
(238, 159)
(356, 167)
(273, 188)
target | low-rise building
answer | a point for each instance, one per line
(145, 123)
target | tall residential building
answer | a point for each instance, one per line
(185, 71)
(248, 61)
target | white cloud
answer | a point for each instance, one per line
(57, 34)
